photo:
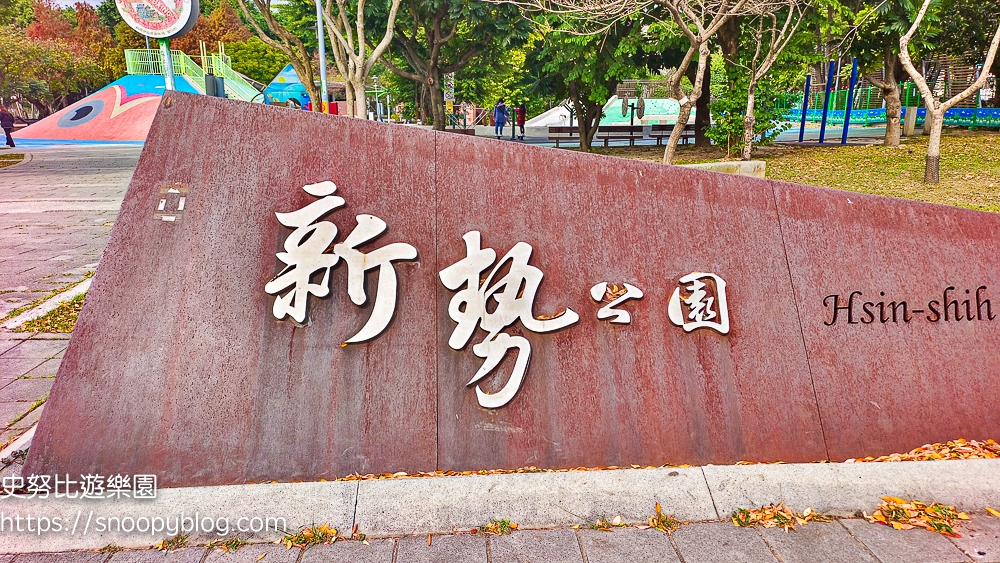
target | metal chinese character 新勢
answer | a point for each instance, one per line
(514, 296)
(703, 310)
(306, 255)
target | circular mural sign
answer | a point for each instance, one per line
(159, 19)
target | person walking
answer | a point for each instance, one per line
(7, 124)
(521, 113)
(500, 117)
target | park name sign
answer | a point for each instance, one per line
(270, 307)
(159, 19)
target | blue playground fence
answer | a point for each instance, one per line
(965, 117)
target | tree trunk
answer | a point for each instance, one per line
(729, 41)
(889, 87)
(675, 135)
(422, 95)
(588, 126)
(43, 110)
(685, 113)
(349, 98)
(893, 109)
(703, 116)
(306, 79)
(932, 167)
(749, 120)
(437, 106)
(360, 99)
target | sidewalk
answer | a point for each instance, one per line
(56, 210)
(396, 516)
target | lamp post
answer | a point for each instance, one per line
(324, 96)
(168, 64)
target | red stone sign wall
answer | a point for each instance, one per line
(180, 368)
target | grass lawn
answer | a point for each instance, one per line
(970, 167)
(9, 159)
(61, 319)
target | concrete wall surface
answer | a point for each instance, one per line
(857, 325)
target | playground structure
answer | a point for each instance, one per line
(120, 112)
(149, 61)
(862, 103)
(123, 111)
(868, 107)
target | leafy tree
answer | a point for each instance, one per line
(108, 13)
(874, 40)
(94, 41)
(15, 12)
(18, 56)
(47, 73)
(256, 59)
(128, 38)
(346, 23)
(586, 69)
(278, 36)
(49, 21)
(935, 107)
(968, 29)
(437, 37)
(223, 24)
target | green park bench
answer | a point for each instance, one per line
(619, 133)
(660, 132)
(563, 133)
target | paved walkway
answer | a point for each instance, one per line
(841, 541)
(56, 212)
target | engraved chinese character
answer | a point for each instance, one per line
(514, 297)
(614, 296)
(307, 255)
(144, 486)
(703, 310)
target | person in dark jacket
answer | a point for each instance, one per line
(500, 117)
(7, 124)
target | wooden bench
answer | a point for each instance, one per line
(619, 133)
(563, 133)
(660, 132)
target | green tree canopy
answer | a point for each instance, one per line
(256, 59)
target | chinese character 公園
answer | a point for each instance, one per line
(306, 255)
(702, 309)
(469, 309)
(614, 296)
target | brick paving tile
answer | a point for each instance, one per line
(460, 548)
(721, 542)
(186, 555)
(904, 546)
(818, 541)
(251, 553)
(380, 551)
(536, 546)
(980, 538)
(628, 545)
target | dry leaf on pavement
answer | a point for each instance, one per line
(903, 515)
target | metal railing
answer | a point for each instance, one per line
(149, 61)
(236, 85)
